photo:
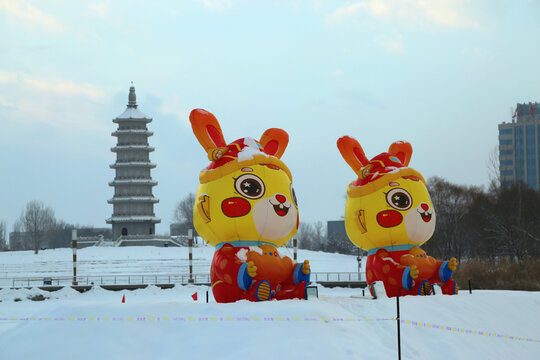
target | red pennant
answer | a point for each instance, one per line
(123, 299)
(194, 296)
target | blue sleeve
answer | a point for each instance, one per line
(299, 276)
(444, 272)
(244, 280)
(406, 279)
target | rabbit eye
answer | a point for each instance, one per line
(293, 195)
(399, 199)
(249, 186)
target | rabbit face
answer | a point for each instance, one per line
(399, 213)
(389, 203)
(246, 192)
(256, 202)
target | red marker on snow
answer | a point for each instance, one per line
(123, 299)
(194, 296)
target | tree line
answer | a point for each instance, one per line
(500, 222)
(37, 228)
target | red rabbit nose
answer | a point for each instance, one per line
(281, 198)
(425, 206)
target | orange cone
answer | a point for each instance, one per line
(123, 299)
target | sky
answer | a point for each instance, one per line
(439, 74)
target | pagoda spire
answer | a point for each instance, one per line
(132, 98)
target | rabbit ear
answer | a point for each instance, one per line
(207, 130)
(274, 142)
(402, 150)
(352, 152)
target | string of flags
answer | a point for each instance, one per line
(216, 319)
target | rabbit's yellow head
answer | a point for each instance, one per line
(245, 194)
(389, 203)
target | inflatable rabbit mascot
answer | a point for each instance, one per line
(389, 214)
(246, 208)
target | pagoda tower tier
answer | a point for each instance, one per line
(133, 200)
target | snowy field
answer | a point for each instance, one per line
(169, 324)
(93, 261)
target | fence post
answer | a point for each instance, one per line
(398, 329)
(470, 287)
(295, 245)
(359, 259)
(190, 244)
(74, 246)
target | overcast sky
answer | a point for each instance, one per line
(439, 74)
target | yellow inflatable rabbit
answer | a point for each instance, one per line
(246, 208)
(389, 214)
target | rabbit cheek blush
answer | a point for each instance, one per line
(389, 218)
(235, 207)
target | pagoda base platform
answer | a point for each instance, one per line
(145, 240)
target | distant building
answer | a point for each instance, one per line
(133, 201)
(336, 229)
(54, 239)
(519, 151)
(181, 229)
(339, 240)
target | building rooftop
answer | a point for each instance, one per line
(526, 112)
(132, 113)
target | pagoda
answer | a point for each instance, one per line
(133, 202)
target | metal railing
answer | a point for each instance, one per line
(153, 279)
(337, 277)
(146, 279)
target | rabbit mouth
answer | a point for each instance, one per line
(425, 216)
(281, 210)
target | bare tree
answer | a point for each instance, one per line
(35, 220)
(183, 212)
(312, 236)
(493, 168)
(305, 236)
(452, 203)
(3, 238)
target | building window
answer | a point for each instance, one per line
(505, 132)
(124, 232)
(150, 231)
(506, 142)
(506, 152)
(507, 173)
(507, 162)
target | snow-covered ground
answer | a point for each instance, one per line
(141, 260)
(341, 324)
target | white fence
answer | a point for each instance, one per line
(149, 279)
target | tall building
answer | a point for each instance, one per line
(519, 150)
(133, 201)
